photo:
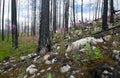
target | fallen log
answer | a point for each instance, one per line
(101, 33)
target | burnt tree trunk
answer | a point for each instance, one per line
(0, 16)
(44, 38)
(14, 24)
(74, 13)
(66, 14)
(82, 11)
(111, 11)
(104, 16)
(3, 20)
(54, 16)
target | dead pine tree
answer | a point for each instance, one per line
(14, 24)
(44, 37)
(104, 15)
(111, 12)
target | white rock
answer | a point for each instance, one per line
(116, 55)
(65, 68)
(4, 72)
(10, 69)
(35, 59)
(82, 42)
(25, 76)
(82, 50)
(66, 55)
(108, 37)
(115, 43)
(58, 47)
(93, 47)
(53, 60)
(29, 55)
(31, 69)
(46, 57)
(12, 61)
(72, 76)
(82, 73)
(116, 51)
(99, 40)
(75, 72)
(33, 76)
(117, 34)
(49, 68)
(32, 54)
(48, 62)
(42, 71)
(105, 72)
(6, 63)
(24, 57)
(38, 74)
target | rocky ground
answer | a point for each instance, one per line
(92, 59)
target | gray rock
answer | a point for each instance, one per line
(24, 58)
(116, 55)
(71, 76)
(65, 68)
(36, 59)
(42, 71)
(31, 69)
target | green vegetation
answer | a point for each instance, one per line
(93, 54)
(76, 58)
(26, 46)
(49, 75)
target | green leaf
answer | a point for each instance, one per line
(49, 75)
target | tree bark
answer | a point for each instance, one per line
(8, 30)
(0, 15)
(74, 13)
(3, 20)
(44, 38)
(82, 11)
(14, 24)
(54, 16)
(104, 16)
(66, 14)
(111, 12)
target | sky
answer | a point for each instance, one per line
(86, 6)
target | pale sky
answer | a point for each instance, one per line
(86, 4)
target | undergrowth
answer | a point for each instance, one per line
(25, 47)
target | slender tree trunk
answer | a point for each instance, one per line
(60, 14)
(8, 30)
(28, 19)
(0, 16)
(74, 13)
(96, 11)
(111, 12)
(104, 16)
(14, 24)
(63, 14)
(51, 14)
(90, 10)
(44, 38)
(54, 17)
(66, 14)
(82, 11)
(34, 27)
(3, 20)
(99, 8)
(18, 28)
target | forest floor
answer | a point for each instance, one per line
(100, 60)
